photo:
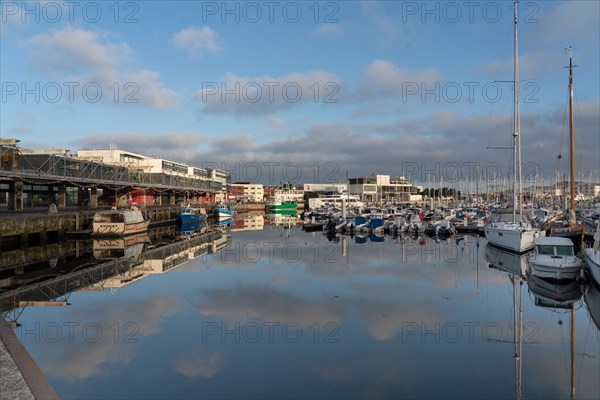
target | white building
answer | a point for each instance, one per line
(326, 187)
(245, 191)
(383, 189)
(220, 180)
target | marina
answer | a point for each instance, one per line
(54, 258)
(300, 200)
(221, 278)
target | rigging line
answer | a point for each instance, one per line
(580, 127)
(562, 135)
(507, 45)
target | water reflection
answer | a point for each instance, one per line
(82, 265)
(512, 263)
(278, 312)
(592, 301)
(128, 247)
(191, 229)
(554, 294)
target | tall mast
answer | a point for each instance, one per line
(516, 118)
(572, 139)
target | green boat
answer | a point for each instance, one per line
(278, 205)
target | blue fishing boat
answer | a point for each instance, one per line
(223, 211)
(189, 215)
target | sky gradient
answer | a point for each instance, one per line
(305, 91)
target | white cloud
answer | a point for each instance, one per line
(196, 41)
(531, 65)
(75, 50)
(383, 78)
(84, 56)
(178, 146)
(256, 95)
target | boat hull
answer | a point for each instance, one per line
(510, 238)
(281, 207)
(558, 272)
(119, 228)
(191, 218)
(592, 260)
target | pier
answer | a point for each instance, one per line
(40, 178)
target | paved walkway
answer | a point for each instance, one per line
(12, 384)
(20, 377)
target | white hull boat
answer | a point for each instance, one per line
(119, 223)
(592, 257)
(554, 258)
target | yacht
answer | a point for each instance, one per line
(511, 232)
(554, 258)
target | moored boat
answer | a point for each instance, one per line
(514, 233)
(119, 223)
(223, 211)
(277, 205)
(189, 215)
(591, 256)
(554, 258)
(509, 234)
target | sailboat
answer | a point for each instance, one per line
(511, 231)
(569, 228)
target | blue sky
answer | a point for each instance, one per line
(385, 86)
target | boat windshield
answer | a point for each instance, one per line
(546, 250)
(551, 250)
(564, 250)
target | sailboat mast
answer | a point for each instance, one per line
(572, 138)
(516, 122)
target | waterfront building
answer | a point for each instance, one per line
(214, 179)
(283, 194)
(329, 188)
(247, 192)
(93, 177)
(382, 188)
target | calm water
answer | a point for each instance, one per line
(280, 313)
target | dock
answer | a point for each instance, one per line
(20, 376)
